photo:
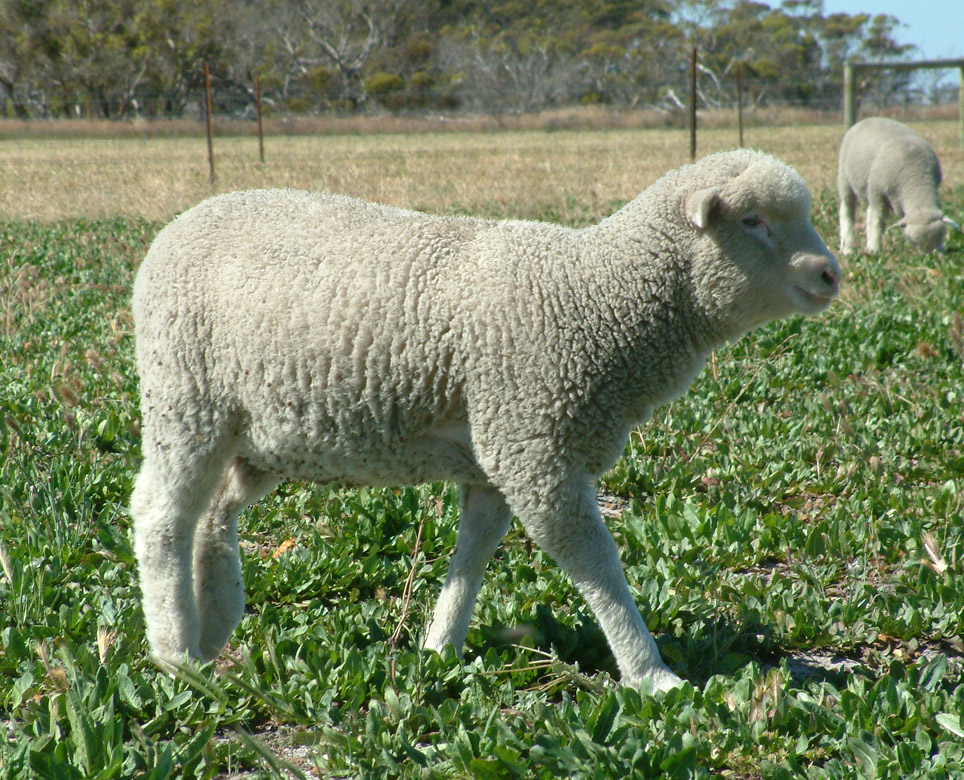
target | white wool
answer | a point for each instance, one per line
(890, 169)
(292, 335)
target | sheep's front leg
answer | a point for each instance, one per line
(877, 211)
(848, 215)
(570, 528)
(218, 584)
(483, 524)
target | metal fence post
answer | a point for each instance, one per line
(693, 104)
(207, 95)
(257, 108)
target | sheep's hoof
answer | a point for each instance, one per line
(660, 679)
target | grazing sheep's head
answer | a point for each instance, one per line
(761, 259)
(925, 229)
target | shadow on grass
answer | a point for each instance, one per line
(721, 647)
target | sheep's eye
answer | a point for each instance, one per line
(757, 224)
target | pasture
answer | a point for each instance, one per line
(793, 527)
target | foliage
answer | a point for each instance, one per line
(792, 527)
(144, 58)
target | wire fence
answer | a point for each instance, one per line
(239, 100)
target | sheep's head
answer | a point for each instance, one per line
(760, 258)
(925, 229)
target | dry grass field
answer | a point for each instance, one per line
(572, 176)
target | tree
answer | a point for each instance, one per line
(792, 52)
(21, 54)
(863, 37)
(96, 66)
(121, 57)
(348, 33)
(176, 38)
(630, 51)
(507, 73)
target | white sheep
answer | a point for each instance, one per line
(889, 168)
(292, 335)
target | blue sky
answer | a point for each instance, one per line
(935, 26)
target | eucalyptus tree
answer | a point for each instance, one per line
(22, 55)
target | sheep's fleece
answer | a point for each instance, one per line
(888, 167)
(292, 335)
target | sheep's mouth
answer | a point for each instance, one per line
(815, 299)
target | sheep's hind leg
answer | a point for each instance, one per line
(218, 584)
(848, 214)
(483, 524)
(169, 496)
(570, 528)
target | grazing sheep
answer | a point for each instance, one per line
(292, 335)
(890, 169)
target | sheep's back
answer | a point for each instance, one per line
(312, 321)
(883, 156)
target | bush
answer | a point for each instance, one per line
(382, 84)
(422, 80)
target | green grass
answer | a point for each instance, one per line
(792, 528)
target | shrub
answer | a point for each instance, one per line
(381, 84)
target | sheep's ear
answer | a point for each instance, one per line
(951, 222)
(701, 206)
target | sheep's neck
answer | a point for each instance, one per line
(645, 282)
(655, 336)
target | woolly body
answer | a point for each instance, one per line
(291, 335)
(890, 169)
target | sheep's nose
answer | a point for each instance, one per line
(831, 278)
(830, 273)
